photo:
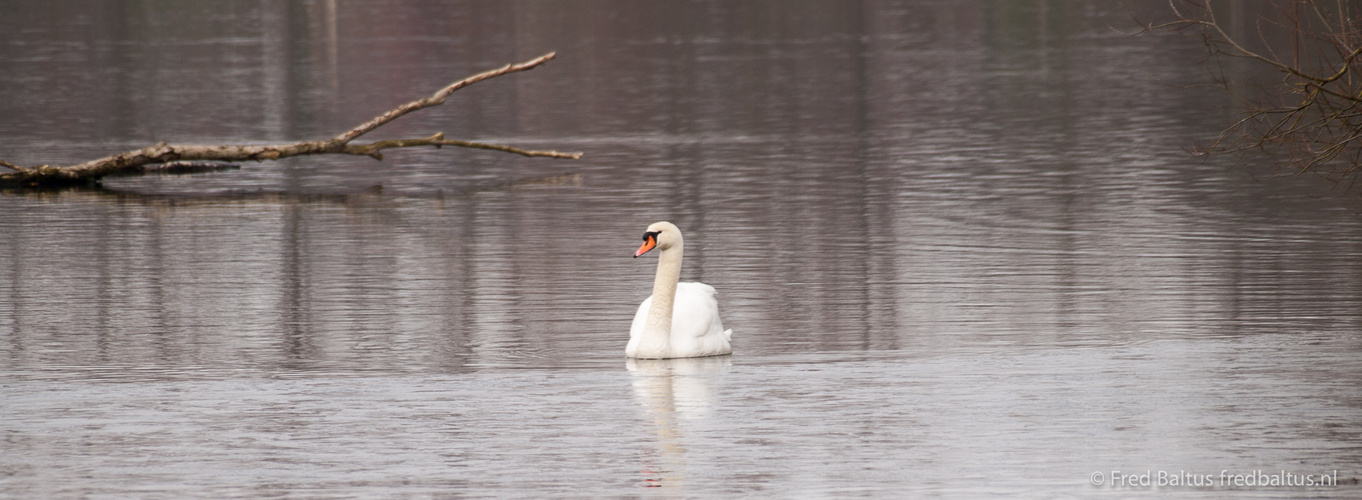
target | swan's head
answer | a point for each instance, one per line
(660, 235)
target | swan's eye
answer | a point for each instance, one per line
(651, 235)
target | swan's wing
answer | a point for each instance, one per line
(696, 312)
(696, 287)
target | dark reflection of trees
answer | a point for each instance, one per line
(850, 176)
(295, 305)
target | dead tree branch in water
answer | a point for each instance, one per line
(195, 156)
(1310, 118)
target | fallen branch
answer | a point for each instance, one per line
(138, 161)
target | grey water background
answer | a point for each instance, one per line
(960, 244)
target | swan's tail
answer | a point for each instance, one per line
(728, 334)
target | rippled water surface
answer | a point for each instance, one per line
(961, 247)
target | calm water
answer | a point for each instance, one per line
(960, 244)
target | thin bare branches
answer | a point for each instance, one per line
(437, 98)
(1311, 119)
(136, 161)
(373, 149)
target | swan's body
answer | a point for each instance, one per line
(696, 329)
(680, 320)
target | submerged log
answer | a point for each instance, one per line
(171, 158)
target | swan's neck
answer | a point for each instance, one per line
(657, 329)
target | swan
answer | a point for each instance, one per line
(680, 320)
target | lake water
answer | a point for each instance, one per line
(961, 246)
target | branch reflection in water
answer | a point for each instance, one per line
(673, 393)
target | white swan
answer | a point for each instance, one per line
(680, 320)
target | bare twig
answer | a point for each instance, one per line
(438, 97)
(135, 161)
(1308, 120)
(373, 149)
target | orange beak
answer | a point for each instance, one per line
(649, 241)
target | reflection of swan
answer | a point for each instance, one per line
(671, 390)
(680, 320)
(680, 385)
